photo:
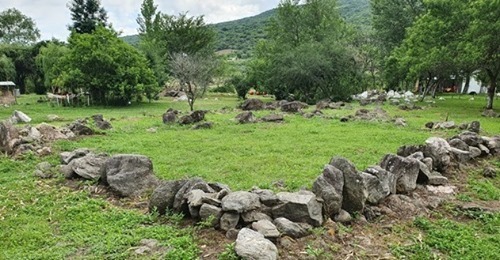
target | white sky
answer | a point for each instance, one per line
(52, 17)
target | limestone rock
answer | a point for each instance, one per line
(89, 166)
(292, 229)
(252, 245)
(163, 196)
(439, 150)
(267, 197)
(180, 200)
(67, 157)
(129, 175)
(254, 216)
(405, 169)
(343, 217)
(354, 193)
(245, 117)
(193, 117)
(169, 117)
(379, 183)
(293, 107)
(273, 118)
(299, 207)
(329, 186)
(266, 228)
(252, 104)
(207, 211)
(20, 117)
(229, 220)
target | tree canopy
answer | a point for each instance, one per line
(87, 15)
(17, 28)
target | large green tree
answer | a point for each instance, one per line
(7, 68)
(87, 15)
(49, 60)
(15, 27)
(307, 55)
(113, 72)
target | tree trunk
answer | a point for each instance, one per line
(467, 83)
(492, 88)
(436, 86)
(427, 88)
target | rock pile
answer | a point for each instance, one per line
(473, 126)
(376, 96)
(248, 117)
(197, 116)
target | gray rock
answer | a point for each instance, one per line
(240, 201)
(44, 151)
(400, 122)
(34, 134)
(474, 152)
(273, 118)
(293, 107)
(252, 104)
(490, 172)
(445, 125)
(67, 171)
(232, 234)
(245, 117)
(101, 123)
(329, 187)
(267, 197)
(129, 175)
(459, 144)
(207, 211)
(418, 156)
(163, 196)
(292, 229)
(406, 171)
(193, 117)
(229, 221)
(424, 173)
(180, 200)
(436, 179)
(52, 118)
(439, 150)
(428, 162)
(89, 166)
(460, 156)
(470, 138)
(79, 128)
(253, 246)
(67, 157)
(43, 170)
(354, 193)
(343, 217)
(299, 207)
(254, 215)
(7, 134)
(204, 125)
(266, 228)
(484, 150)
(474, 126)
(492, 143)
(195, 200)
(169, 117)
(20, 117)
(379, 183)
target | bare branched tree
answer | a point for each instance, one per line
(194, 72)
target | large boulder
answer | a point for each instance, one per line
(240, 201)
(169, 117)
(193, 117)
(354, 193)
(163, 196)
(50, 133)
(129, 175)
(329, 186)
(301, 206)
(379, 183)
(253, 246)
(252, 104)
(293, 107)
(405, 170)
(20, 117)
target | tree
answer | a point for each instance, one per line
(7, 68)
(194, 73)
(113, 72)
(17, 28)
(87, 15)
(308, 54)
(49, 60)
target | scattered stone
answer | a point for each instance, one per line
(474, 126)
(169, 117)
(245, 117)
(446, 190)
(400, 122)
(299, 207)
(180, 202)
(129, 175)
(101, 123)
(459, 144)
(490, 113)
(67, 157)
(254, 216)
(273, 118)
(252, 245)
(474, 152)
(209, 211)
(379, 183)
(354, 192)
(20, 117)
(194, 201)
(470, 138)
(80, 129)
(204, 125)
(232, 234)
(44, 151)
(343, 217)
(266, 228)
(252, 104)
(293, 107)
(292, 229)
(429, 125)
(445, 125)
(490, 172)
(193, 117)
(50, 133)
(436, 179)
(43, 170)
(89, 166)
(460, 156)
(52, 118)
(240, 201)
(267, 197)
(439, 150)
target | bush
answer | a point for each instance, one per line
(226, 88)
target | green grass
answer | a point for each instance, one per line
(45, 219)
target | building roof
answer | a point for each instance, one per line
(7, 83)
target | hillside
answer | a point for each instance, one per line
(243, 34)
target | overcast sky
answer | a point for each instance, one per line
(52, 16)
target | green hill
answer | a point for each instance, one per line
(242, 34)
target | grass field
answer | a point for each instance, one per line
(44, 219)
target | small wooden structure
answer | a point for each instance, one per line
(7, 93)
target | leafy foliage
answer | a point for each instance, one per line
(17, 28)
(7, 68)
(87, 15)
